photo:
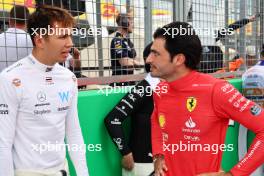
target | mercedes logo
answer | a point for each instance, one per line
(41, 96)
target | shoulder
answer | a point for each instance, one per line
(64, 72)
(206, 82)
(13, 75)
(16, 68)
(117, 41)
(62, 69)
(208, 78)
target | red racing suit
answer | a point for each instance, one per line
(190, 120)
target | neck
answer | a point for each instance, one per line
(122, 31)
(18, 26)
(42, 58)
(179, 74)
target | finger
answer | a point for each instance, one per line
(76, 50)
(164, 167)
(159, 172)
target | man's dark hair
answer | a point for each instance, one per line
(19, 14)
(46, 16)
(186, 43)
(146, 53)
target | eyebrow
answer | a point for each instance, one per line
(154, 51)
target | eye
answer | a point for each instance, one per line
(63, 36)
(155, 53)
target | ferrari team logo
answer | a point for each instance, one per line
(191, 103)
(162, 120)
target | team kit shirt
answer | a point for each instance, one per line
(189, 125)
(38, 110)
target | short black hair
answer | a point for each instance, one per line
(19, 14)
(177, 42)
(146, 53)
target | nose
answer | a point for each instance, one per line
(149, 59)
(69, 43)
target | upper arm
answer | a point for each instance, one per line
(130, 103)
(8, 112)
(229, 103)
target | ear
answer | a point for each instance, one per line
(178, 60)
(39, 41)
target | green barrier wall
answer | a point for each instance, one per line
(102, 156)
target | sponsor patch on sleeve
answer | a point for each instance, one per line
(255, 110)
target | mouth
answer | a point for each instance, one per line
(152, 68)
(65, 53)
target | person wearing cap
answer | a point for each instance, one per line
(15, 43)
(123, 53)
(253, 89)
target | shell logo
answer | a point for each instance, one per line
(108, 10)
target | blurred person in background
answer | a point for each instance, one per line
(137, 104)
(122, 50)
(15, 43)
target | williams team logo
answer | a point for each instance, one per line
(64, 96)
(162, 120)
(191, 104)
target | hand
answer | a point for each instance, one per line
(160, 166)
(221, 173)
(76, 54)
(75, 61)
(136, 62)
(128, 162)
(252, 18)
